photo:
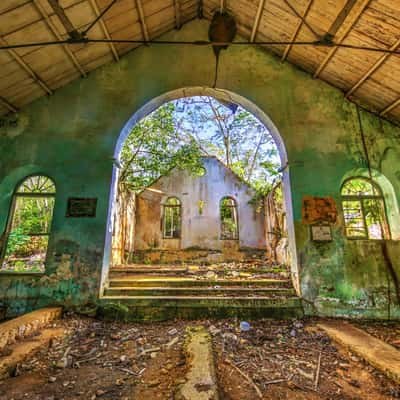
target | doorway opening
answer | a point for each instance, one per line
(201, 189)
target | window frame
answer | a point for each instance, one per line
(10, 220)
(164, 220)
(361, 199)
(236, 208)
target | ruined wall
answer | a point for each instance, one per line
(71, 137)
(199, 229)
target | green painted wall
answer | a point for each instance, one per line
(71, 137)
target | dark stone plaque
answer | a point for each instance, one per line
(80, 207)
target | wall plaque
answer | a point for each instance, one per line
(318, 209)
(321, 233)
(79, 207)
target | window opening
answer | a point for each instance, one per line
(172, 218)
(229, 219)
(364, 210)
(29, 225)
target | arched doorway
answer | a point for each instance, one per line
(220, 95)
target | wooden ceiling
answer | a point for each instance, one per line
(367, 77)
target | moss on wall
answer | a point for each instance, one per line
(71, 137)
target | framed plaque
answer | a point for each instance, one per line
(321, 233)
(80, 207)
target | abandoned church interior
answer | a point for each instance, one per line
(199, 199)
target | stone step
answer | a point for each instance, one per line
(152, 269)
(146, 281)
(26, 325)
(132, 269)
(161, 308)
(199, 291)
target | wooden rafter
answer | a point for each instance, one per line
(8, 105)
(27, 68)
(178, 22)
(333, 51)
(257, 20)
(390, 107)
(377, 64)
(142, 21)
(297, 30)
(60, 12)
(50, 25)
(103, 26)
(344, 12)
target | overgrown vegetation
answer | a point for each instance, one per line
(26, 242)
(179, 132)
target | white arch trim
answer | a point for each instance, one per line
(222, 95)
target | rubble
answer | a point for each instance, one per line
(115, 361)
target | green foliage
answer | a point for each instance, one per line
(154, 147)
(178, 133)
(17, 241)
(27, 240)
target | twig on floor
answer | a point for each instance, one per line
(256, 388)
(317, 372)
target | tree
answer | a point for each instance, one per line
(154, 147)
(179, 132)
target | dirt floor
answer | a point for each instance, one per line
(279, 359)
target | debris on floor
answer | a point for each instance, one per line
(263, 359)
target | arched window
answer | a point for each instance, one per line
(229, 219)
(364, 210)
(29, 225)
(172, 218)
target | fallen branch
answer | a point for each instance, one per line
(275, 381)
(316, 380)
(256, 388)
(128, 371)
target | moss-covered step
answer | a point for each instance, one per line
(199, 291)
(161, 309)
(147, 281)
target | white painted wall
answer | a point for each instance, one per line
(201, 230)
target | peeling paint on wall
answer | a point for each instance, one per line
(71, 137)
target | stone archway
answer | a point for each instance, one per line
(219, 94)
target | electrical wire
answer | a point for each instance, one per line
(200, 43)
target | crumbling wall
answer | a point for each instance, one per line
(123, 226)
(276, 227)
(71, 137)
(200, 198)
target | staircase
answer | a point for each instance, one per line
(167, 292)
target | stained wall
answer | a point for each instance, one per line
(71, 136)
(199, 229)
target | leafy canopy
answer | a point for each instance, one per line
(179, 132)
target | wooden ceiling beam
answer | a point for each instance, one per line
(377, 64)
(343, 14)
(390, 107)
(297, 31)
(103, 26)
(200, 9)
(8, 105)
(332, 51)
(142, 20)
(60, 12)
(52, 28)
(27, 68)
(257, 20)
(178, 21)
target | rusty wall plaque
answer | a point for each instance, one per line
(321, 233)
(79, 207)
(318, 209)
